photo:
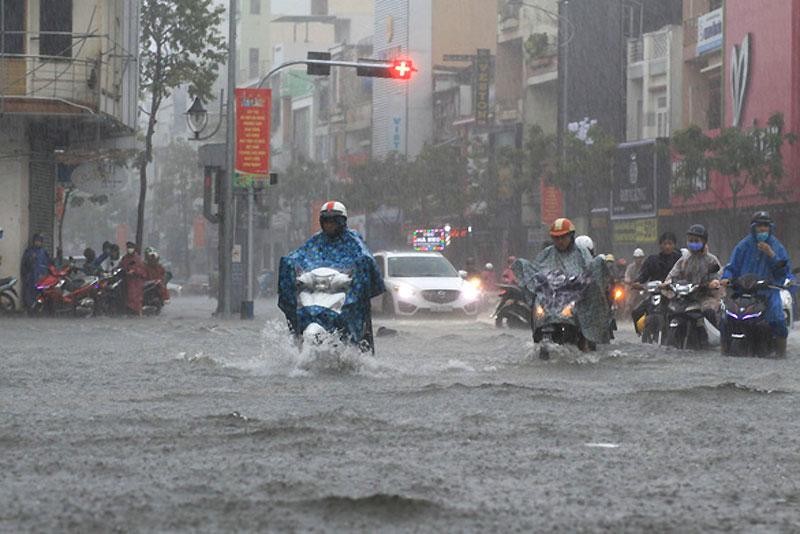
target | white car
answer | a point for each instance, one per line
(423, 282)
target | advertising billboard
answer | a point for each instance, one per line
(633, 192)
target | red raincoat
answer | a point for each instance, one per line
(135, 274)
(156, 271)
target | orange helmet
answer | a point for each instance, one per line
(561, 227)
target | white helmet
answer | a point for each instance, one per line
(333, 208)
(488, 267)
(584, 241)
(638, 253)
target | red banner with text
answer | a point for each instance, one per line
(252, 135)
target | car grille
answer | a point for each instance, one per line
(441, 296)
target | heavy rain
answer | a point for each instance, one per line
(399, 265)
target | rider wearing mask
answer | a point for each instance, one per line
(761, 254)
(699, 267)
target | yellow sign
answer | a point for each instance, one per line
(636, 231)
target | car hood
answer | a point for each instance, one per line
(428, 282)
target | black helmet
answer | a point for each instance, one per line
(762, 217)
(698, 230)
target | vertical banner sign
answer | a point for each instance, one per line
(252, 135)
(483, 79)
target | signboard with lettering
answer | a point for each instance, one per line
(709, 32)
(552, 203)
(636, 232)
(252, 135)
(483, 79)
(633, 192)
(429, 239)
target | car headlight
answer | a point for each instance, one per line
(470, 292)
(404, 292)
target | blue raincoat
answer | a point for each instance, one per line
(593, 313)
(35, 262)
(747, 259)
(348, 251)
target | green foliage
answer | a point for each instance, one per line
(180, 44)
(536, 45)
(742, 157)
(303, 180)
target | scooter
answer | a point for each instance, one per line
(654, 329)
(553, 317)
(511, 310)
(110, 295)
(686, 328)
(8, 295)
(60, 293)
(322, 293)
(746, 332)
(152, 300)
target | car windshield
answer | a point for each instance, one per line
(419, 266)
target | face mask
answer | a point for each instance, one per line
(130, 251)
(695, 246)
(762, 236)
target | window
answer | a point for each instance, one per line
(714, 4)
(255, 7)
(319, 7)
(55, 28)
(14, 22)
(714, 113)
(662, 124)
(253, 64)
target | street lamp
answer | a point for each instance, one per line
(197, 117)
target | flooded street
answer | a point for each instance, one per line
(184, 422)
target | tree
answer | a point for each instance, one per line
(740, 157)
(585, 167)
(180, 44)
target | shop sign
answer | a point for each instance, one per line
(552, 206)
(483, 76)
(633, 192)
(429, 239)
(709, 32)
(636, 232)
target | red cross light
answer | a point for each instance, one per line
(402, 69)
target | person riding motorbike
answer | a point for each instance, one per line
(655, 268)
(155, 271)
(633, 270)
(592, 312)
(761, 254)
(508, 273)
(700, 267)
(135, 274)
(334, 246)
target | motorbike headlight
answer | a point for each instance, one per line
(619, 294)
(567, 311)
(470, 292)
(539, 312)
(404, 292)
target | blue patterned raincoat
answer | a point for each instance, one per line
(347, 252)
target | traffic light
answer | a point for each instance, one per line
(399, 69)
(319, 70)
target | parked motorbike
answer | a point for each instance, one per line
(322, 293)
(62, 292)
(553, 317)
(8, 295)
(654, 328)
(746, 331)
(512, 310)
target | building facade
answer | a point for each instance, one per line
(68, 88)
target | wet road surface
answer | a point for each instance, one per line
(187, 423)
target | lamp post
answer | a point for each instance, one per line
(197, 119)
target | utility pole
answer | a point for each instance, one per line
(226, 229)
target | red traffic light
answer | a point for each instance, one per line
(402, 69)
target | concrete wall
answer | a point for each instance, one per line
(14, 198)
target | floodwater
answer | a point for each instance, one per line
(186, 423)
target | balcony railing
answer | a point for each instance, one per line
(73, 80)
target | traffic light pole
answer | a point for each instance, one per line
(224, 307)
(404, 70)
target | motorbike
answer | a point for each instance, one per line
(618, 297)
(110, 295)
(511, 310)
(746, 331)
(60, 291)
(553, 316)
(321, 295)
(8, 295)
(653, 330)
(686, 328)
(152, 300)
